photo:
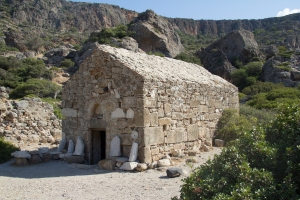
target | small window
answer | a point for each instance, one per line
(105, 89)
(191, 120)
(120, 104)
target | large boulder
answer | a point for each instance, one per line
(56, 55)
(276, 72)
(154, 33)
(219, 57)
(127, 43)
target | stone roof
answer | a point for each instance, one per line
(152, 67)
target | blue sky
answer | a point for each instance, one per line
(210, 9)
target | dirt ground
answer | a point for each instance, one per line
(59, 180)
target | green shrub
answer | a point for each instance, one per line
(105, 35)
(284, 52)
(37, 87)
(285, 66)
(190, 58)
(66, 63)
(4, 48)
(239, 78)
(13, 71)
(228, 176)
(231, 125)
(254, 69)
(261, 116)
(250, 80)
(261, 87)
(35, 43)
(261, 164)
(156, 53)
(6, 148)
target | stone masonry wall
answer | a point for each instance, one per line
(118, 91)
(181, 117)
(105, 95)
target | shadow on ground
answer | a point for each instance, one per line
(53, 168)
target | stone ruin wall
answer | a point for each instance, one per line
(28, 122)
(169, 116)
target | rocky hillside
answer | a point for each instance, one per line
(58, 22)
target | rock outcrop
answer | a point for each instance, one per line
(287, 73)
(219, 57)
(127, 43)
(155, 34)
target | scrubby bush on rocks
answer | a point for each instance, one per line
(35, 87)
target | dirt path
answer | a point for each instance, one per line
(59, 180)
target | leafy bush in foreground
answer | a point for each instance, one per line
(262, 164)
(6, 148)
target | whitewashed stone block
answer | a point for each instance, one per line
(21, 154)
(69, 112)
(71, 146)
(129, 113)
(129, 166)
(62, 145)
(133, 152)
(115, 147)
(117, 95)
(118, 113)
(79, 148)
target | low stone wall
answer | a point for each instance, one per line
(28, 121)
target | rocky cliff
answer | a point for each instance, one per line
(65, 15)
(219, 27)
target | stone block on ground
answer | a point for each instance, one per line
(191, 160)
(129, 166)
(192, 153)
(141, 167)
(35, 159)
(205, 148)
(74, 159)
(163, 163)
(174, 172)
(107, 164)
(21, 161)
(46, 157)
(43, 150)
(153, 165)
(219, 143)
(21, 154)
